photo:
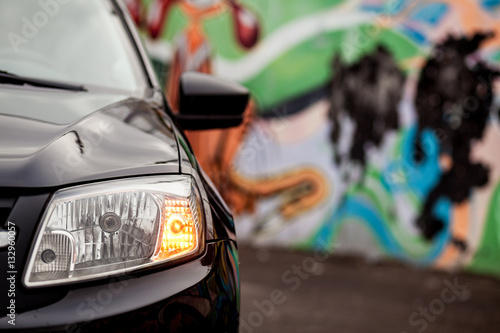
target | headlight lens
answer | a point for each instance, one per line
(100, 230)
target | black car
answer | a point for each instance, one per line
(107, 223)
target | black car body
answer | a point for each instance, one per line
(60, 141)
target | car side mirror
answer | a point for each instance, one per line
(207, 102)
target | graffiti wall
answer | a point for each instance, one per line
(374, 126)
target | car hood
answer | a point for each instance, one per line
(59, 138)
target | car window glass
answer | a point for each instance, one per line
(73, 41)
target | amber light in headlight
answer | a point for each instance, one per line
(179, 231)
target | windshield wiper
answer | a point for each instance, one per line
(9, 78)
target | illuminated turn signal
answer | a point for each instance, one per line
(179, 230)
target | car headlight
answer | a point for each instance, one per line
(99, 230)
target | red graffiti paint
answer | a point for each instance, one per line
(135, 9)
(246, 25)
(157, 16)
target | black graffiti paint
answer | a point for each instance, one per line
(454, 96)
(368, 92)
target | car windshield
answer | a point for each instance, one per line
(72, 41)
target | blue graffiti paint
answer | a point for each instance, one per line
(357, 209)
(403, 174)
(392, 7)
(431, 14)
(418, 178)
(490, 4)
(396, 6)
(416, 36)
(373, 8)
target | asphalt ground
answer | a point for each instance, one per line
(286, 291)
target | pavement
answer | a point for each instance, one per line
(286, 291)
